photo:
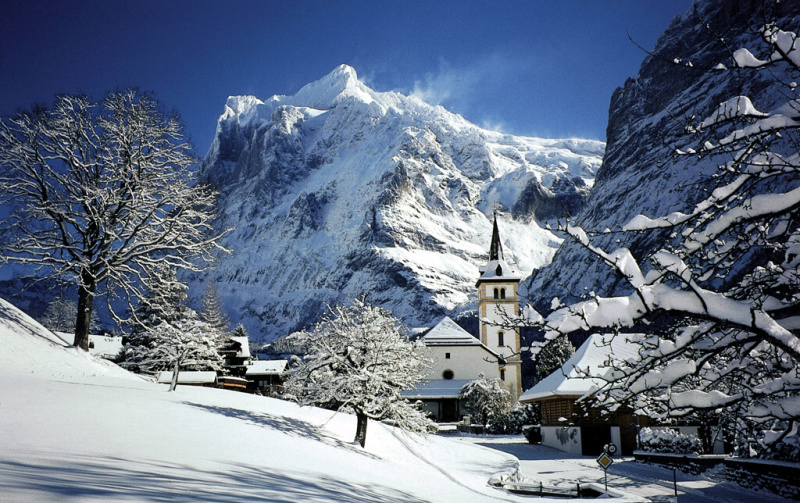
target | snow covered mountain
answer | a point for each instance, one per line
(641, 173)
(340, 191)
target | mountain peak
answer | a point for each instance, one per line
(326, 92)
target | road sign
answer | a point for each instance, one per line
(604, 460)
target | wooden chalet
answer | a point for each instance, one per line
(568, 424)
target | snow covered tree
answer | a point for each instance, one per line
(723, 290)
(60, 315)
(360, 359)
(484, 398)
(102, 192)
(552, 356)
(211, 309)
(167, 334)
(240, 331)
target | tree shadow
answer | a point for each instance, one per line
(115, 479)
(289, 426)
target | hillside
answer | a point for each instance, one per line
(80, 429)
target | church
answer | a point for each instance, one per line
(459, 358)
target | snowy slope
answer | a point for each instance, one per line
(641, 174)
(80, 429)
(340, 190)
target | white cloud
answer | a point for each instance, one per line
(459, 87)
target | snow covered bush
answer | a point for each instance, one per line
(718, 302)
(485, 399)
(360, 359)
(511, 422)
(668, 440)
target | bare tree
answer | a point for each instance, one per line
(102, 193)
(360, 359)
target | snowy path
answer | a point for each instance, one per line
(557, 468)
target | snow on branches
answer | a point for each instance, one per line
(725, 287)
(102, 192)
(360, 359)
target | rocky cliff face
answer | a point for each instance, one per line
(341, 191)
(641, 174)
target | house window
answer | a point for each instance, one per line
(502, 374)
(447, 356)
(496, 294)
(502, 293)
(500, 341)
(448, 374)
(498, 271)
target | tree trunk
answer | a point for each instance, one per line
(84, 320)
(175, 372)
(361, 428)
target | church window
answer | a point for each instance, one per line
(447, 356)
(498, 271)
(500, 341)
(496, 293)
(448, 374)
(502, 293)
(502, 374)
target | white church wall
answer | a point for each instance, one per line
(466, 362)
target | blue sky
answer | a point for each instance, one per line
(536, 67)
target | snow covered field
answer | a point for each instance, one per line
(76, 428)
(79, 429)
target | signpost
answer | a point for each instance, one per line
(604, 460)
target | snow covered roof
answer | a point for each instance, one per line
(436, 389)
(189, 377)
(266, 367)
(446, 333)
(571, 379)
(498, 270)
(240, 344)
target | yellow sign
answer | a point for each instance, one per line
(604, 460)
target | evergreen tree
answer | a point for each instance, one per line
(553, 356)
(211, 309)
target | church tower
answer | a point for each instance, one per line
(498, 300)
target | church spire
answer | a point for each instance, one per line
(496, 248)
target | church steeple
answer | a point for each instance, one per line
(498, 302)
(496, 248)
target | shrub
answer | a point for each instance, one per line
(668, 441)
(512, 421)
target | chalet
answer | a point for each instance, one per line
(266, 376)
(235, 352)
(570, 426)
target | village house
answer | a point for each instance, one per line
(266, 376)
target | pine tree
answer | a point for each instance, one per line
(553, 356)
(211, 309)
